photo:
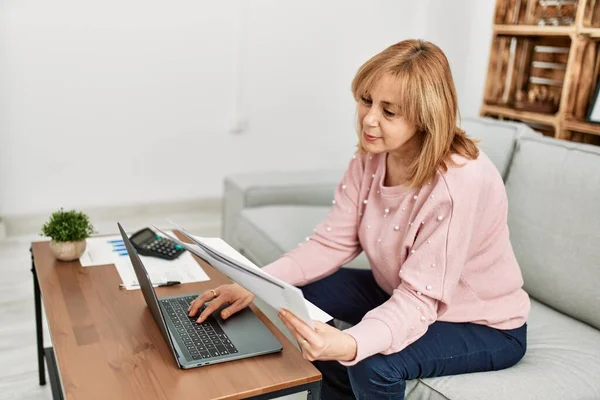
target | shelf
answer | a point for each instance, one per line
(517, 114)
(591, 32)
(545, 63)
(534, 30)
(581, 126)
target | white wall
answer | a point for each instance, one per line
(121, 102)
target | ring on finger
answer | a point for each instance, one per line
(304, 343)
(214, 293)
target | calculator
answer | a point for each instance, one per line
(148, 243)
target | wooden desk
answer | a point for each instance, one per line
(107, 346)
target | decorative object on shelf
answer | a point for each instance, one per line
(593, 114)
(68, 231)
(540, 99)
(556, 12)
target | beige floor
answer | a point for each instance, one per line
(18, 359)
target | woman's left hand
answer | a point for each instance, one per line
(324, 342)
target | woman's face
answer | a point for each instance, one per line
(383, 130)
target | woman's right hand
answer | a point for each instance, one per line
(234, 294)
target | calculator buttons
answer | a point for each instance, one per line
(162, 247)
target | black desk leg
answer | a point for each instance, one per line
(314, 393)
(38, 323)
(313, 388)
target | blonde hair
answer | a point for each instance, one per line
(426, 97)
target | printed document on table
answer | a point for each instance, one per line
(184, 269)
(106, 250)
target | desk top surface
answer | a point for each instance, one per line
(108, 346)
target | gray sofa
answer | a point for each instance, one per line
(554, 218)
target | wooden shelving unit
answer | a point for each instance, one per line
(524, 30)
(544, 66)
(526, 116)
(579, 126)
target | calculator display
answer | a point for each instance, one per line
(145, 236)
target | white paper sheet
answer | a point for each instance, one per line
(184, 269)
(270, 289)
(224, 248)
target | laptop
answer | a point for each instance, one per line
(215, 340)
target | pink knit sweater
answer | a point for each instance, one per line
(441, 251)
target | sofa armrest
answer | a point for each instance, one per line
(275, 188)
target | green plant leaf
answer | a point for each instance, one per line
(66, 226)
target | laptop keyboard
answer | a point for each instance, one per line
(203, 340)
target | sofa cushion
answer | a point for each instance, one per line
(265, 233)
(554, 218)
(497, 138)
(562, 362)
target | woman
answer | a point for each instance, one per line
(444, 293)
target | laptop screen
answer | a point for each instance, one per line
(147, 288)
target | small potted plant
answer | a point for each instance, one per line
(68, 231)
